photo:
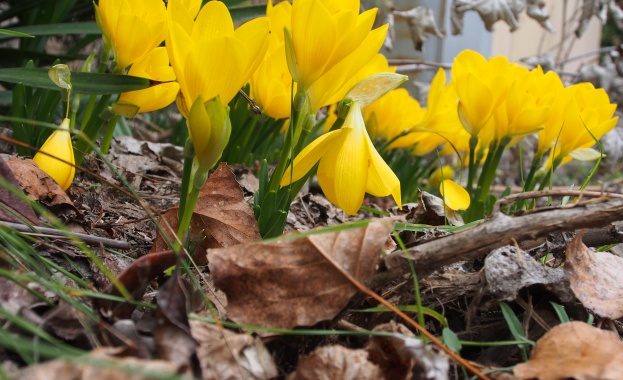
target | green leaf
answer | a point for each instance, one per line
(513, 323)
(12, 33)
(451, 340)
(560, 312)
(247, 13)
(83, 83)
(52, 29)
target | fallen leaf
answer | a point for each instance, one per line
(595, 278)
(224, 354)
(336, 362)
(432, 211)
(38, 185)
(12, 202)
(135, 278)
(574, 350)
(100, 363)
(289, 282)
(508, 270)
(404, 356)
(221, 214)
(172, 337)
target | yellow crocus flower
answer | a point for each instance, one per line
(58, 151)
(209, 127)
(584, 108)
(392, 114)
(132, 28)
(349, 165)
(481, 86)
(208, 56)
(271, 84)
(154, 66)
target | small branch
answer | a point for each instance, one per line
(500, 230)
(88, 239)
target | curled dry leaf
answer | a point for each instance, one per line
(101, 363)
(290, 282)
(490, 11)
(38, 185)
(574, 350)
(596, 278)
(221, 214)
(224, 354)
(403, 355)
(12, 202)
(336, 362)
(421, 21)
(508, 270)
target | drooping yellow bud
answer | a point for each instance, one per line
(59, 151)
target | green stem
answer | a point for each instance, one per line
(189, 155)
(530, 179)
(471, 175)
(488, 172)
(187, 213)
(108, 134)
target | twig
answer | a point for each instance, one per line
(88, 239)
(552, 193)
(500, 230)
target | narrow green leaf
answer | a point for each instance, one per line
(560, 312)
(83, 83)
(52, 29)
(247, 13)
(11, 33)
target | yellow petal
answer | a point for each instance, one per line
(152, 98)
(454, 195)
(200, 128)
(309, 156)
(58, 145)
(210, 77)
(382, 181)
(351, 173)
(213, 21)
(314, 38)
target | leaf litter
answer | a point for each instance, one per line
(284, 307)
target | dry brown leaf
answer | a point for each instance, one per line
(11, 201)
(221, 213)
(37, 184)
(227, 355)
(290, 282)
(574, 350)
(403, 355)
(101, 363)
(596, 278)
(336, 362)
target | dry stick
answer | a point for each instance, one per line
(500, 230)
(402, 315)
(88, 239)
(553, 193)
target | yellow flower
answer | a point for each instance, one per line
(349, 165)
(392, 114)
(525, 107)
(454, 195)
(331, 42)
(208, 56)
(481, 86)
(58, 147)
(209, 127)
(132, 28)
(154, 66)
(584, 108)
(438, 123)
(324, 32)
(271, 84)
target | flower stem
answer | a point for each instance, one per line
(471, 175)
